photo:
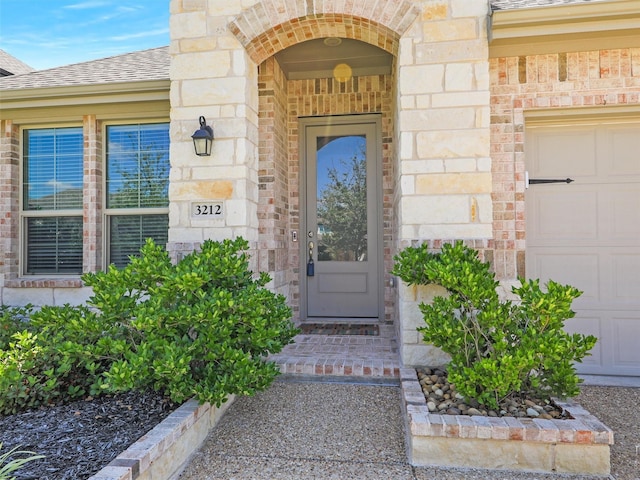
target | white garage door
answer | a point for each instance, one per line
(587, 233)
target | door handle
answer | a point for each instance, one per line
(532, 181)
(310, 264)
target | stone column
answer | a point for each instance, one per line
(444, 179)
(211, 76)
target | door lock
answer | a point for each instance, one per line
(310, 265)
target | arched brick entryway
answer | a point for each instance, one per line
(266, 29)
(271, 25)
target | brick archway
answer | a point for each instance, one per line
(271, 25)
(281, 101)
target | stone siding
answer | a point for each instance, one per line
(435, 117)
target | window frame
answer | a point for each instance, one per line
(107, 212)
(25, 214)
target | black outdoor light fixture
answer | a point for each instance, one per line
(203, 139)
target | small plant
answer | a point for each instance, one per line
(59, 355)
(499, 349)
(10, 461)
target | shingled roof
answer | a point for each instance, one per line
(138, 66)
(10, 65)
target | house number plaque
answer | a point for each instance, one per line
(207, 210)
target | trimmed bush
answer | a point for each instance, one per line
(499, 349)
(202, 328)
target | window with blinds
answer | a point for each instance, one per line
(137, 188)
(52, 200)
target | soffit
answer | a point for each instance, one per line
(565, 28)
(316, 59)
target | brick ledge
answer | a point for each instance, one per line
(44, 283)
(426, 433)
(164, 450)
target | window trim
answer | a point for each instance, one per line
(24, 214)
(108, 212)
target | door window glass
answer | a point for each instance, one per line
(342, 198)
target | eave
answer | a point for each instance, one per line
(71, 95)
(565, 28)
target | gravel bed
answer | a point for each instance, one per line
(80, 438)
(619, 409)
(442, 397)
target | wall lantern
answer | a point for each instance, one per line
(203, 139)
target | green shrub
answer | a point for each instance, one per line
(498, 349)
(12, 320)
(60, 356)
(202, 328)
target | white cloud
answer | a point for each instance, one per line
(86, 5)
(148, 33)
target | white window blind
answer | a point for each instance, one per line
(137, 186)
(52, 200)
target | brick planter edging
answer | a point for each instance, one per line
(162, 452)
(579, 446)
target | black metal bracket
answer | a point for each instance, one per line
(545, 180)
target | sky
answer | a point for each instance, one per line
(50, 33)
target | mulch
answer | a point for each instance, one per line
(80, 438)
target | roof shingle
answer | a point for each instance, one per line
(152, 64)
(12, 65)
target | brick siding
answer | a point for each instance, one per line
(519, 84)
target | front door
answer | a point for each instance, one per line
(340, 247)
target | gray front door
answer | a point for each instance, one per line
(341, 238)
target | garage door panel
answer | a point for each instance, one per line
(578, 270)
(564, 215)
(564, 154)
(621, 213)
(587, 233)
(626, 332)
(624, 150)
(625, 280)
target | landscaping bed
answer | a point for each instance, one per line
(79, 438)
(579, 444)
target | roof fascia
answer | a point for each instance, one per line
(85, 94)
(564, 28)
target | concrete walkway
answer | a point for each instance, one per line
(323, 431)
(307, 430)
(335, 414)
